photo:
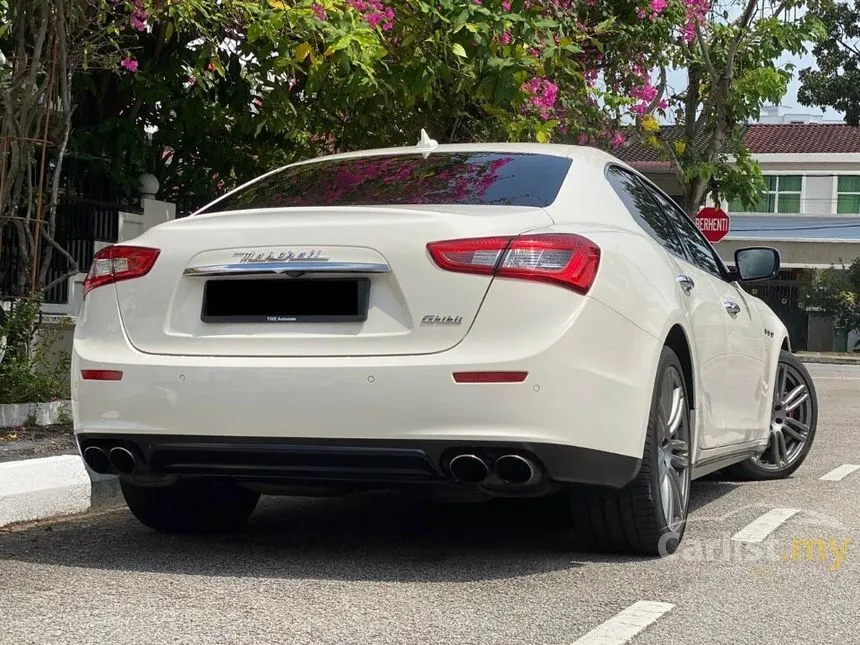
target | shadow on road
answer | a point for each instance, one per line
(383, 537)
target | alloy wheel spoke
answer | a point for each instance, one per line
(677, 414)
(774, 449)
(662, 427)
(666, 495)
(796, 429)
(781, 448)
(792, 399)
(676, 494)
(680, 457)
(797, 402)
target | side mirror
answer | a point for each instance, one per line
(756, 263)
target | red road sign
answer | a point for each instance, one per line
(713, 222)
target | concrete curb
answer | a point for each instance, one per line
(39, 489)
(828, 359)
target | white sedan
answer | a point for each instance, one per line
(504, 320)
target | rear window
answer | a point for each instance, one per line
(481, 178)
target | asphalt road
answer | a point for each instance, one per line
(394, 569)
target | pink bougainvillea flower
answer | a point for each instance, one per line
(542, 94)
(506, 5)
(319, 11)
(129, 64)
(375, 13)
(617, 140)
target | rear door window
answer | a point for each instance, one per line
(700, 250)
(647, 213)
(467, 178)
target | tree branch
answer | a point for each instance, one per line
(742, 25)
(53, 283)
(706, 53)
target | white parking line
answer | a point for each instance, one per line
(761, 527)
(838, 474)
(626, 624)
(836, 378)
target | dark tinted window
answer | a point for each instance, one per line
(639, 201)
(699, 249)
(481, 178)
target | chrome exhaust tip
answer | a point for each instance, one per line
(123, 460)
(469, 469)
(514, 469)
(97, 460)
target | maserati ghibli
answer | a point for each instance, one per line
(502, 320)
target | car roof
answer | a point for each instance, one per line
(581, 153)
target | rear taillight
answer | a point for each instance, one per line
(116, 263)
(564, 259)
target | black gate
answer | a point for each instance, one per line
(80, 224)
(783, 296)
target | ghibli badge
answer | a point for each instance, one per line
(433, 320)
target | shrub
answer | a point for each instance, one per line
(835, 292)
(32, 368)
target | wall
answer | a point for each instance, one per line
(820, 338)
(797, 254)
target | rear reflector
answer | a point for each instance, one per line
(564, 259)
(115, 263)
(101, 375)
(490, 377)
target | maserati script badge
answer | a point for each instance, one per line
(254, 257)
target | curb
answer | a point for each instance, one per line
(48, 487)
(827, 360)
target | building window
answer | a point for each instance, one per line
(781, 195)
(848, 194)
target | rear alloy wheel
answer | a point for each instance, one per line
(793, 419)
(191, 505)
(649, 515)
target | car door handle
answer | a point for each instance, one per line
(686, 283)
(732, 307)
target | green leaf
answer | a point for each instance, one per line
(457, 50)
(302, 52)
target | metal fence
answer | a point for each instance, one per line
(80, 224)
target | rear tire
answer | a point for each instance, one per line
(633, 519)
(191, 505)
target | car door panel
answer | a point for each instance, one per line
(734, 378)
(745, 379)
(708, 340)
(705, 325)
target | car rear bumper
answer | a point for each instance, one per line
(309, 462)
(585, 400)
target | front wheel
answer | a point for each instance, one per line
(793, 420)
(191, 505)
(648, 516)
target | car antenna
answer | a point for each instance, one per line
(426, 142)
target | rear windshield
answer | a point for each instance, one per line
(481, 178)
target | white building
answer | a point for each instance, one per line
(810, 212)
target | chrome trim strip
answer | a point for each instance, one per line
(287, 267)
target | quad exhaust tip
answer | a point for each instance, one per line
(123, 460)
(469, 469)
(97, 459)
(514, 469)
